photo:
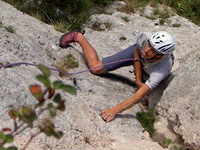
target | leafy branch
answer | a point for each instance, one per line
(33, 117)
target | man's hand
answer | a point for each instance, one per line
(108, 114)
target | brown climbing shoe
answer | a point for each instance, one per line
(69, 37)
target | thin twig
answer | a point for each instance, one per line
(24, 128)
(31, 138)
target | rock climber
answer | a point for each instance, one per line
(152, 61)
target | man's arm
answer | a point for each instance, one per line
(109, 114)
(137, 68)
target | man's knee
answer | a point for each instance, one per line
(97, 68)
(98, 71)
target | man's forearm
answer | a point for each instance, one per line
(138, 72)
(142, 92)
(137, 67)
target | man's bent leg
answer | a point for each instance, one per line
(90, 55)
(118, 58)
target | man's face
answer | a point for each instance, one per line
(148, 52)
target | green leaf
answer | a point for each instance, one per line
(2, 136)
(57, 84)
(48, 128)
(61, 106)
(2, 148)
(46, 72)
(28, 116)
(12, 148)
(44, 79)
(26, 111)
(58, 134)
(41, 102)
(68, 88)
(13, 114)
(52, 110)
(57, 98)
(9, 138)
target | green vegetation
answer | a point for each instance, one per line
(67, 15)
(122, 38)
(176, 25)
(60, 26)
(162, 21)
(10, 29)
(101, 27)
(186, 8)
(125, 19)
(68, 62)
(161, 13)
(147, 120)
(40, 116)
(1, 24)
(179, 147)
(167, 142)
(150, 17)
(72, 14)
(172, 145)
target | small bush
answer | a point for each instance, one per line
(161, 21)
(129, 7)
(122, 38)
(179, 147)
(101, 27)
(10, 29)
(97, 26)
(176, 25)
(67, 63)
(102, 2)
(147, 120)
(60, 26)
(39, 118)
(108, 25)
(1, 24)
(37, 15)
(150, 17)
(163, 14)
(167, 142)
(125, 19)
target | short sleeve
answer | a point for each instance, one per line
(156, 76)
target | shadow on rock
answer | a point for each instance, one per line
(119, 78)
(157, 93)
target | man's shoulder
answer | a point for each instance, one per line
(144, 35)
(142, 38)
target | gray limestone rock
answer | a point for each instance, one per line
(35, 42)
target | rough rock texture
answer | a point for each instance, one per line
(180, 103)
(37, 42)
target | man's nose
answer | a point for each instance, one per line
(147, 49)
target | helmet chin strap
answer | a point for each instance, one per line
(154, 57)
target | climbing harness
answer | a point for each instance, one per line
(64, 72)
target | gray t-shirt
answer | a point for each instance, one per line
(157, 71)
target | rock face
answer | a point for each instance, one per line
(34, 41)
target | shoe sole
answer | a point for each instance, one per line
(60, 41)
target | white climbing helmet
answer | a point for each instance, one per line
(162, 42)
